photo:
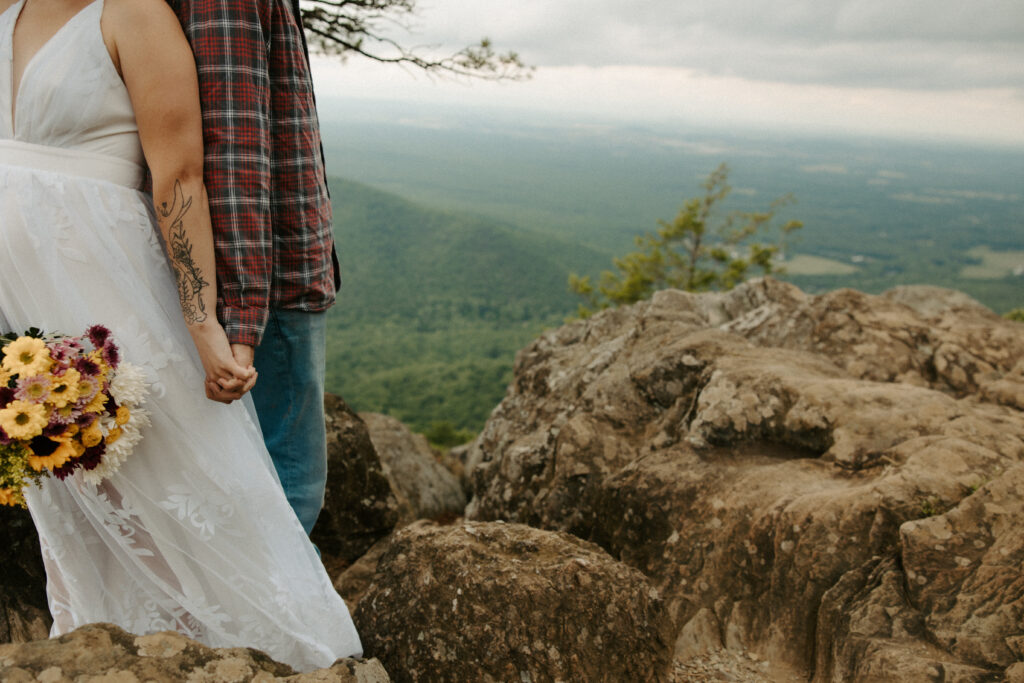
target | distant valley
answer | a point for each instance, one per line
(457, 231)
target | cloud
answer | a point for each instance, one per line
(918, 44)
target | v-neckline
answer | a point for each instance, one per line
(16, 94)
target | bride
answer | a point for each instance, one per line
(193, 532)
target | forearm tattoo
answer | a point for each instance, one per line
(186, 271)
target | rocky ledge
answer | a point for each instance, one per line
(832, 483)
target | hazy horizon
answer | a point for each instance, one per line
(443, 114)
(936, 70)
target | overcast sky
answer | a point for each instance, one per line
(932, 68)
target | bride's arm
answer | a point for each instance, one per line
(157, 67)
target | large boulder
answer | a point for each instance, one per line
(103, 652)
(505, 602)
(425, 489)
(360, 506)
(24, 614)
(756, 451)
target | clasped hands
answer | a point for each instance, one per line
(229, 367)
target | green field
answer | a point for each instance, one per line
(805, 264)
(994, 265)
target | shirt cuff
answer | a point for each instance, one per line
(244, 325)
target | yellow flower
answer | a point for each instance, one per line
(26, 356)
(113, 435)
(123, 415)
(10, 497)
(23, 420)
(58, 458)
(5, 377)
(92, 434)
(65, 388)
(96, 404)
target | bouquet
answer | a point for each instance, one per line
(66, 404)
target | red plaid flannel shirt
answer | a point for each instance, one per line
(264, 169)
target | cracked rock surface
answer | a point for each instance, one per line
(831, 483)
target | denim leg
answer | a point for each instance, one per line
(289, 399)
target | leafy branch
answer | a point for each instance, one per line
(343, 27)
(699, 250)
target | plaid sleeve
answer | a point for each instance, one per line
(230, 40)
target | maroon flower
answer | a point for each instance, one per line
(54, 429)
(86, 367)
(92, 457)
(66, 469)
(98, 335)
(111, 355)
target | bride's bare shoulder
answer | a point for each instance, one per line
(139, 33)
(133, 28)
(148, 17)
(6, 4)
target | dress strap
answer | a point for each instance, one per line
(72, 162)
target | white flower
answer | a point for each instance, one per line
(129, 387)
(117, 452)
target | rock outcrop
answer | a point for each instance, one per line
(827, 481)
(360, 506)
(505, 602)
(425, 489)
(102, 652)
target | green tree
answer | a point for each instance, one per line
(1016, 314)
(365, 27)
(701, 249)
(444, 434)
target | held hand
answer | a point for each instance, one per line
(226, 379)
(244, 355)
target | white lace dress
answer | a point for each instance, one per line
(193, 533)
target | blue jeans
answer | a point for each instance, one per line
(289, 398)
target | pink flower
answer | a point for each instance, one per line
(87, 388)
(66, 415)
(65, 350)
(33, 389)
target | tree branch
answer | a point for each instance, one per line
(344, 27)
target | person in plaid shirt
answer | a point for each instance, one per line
(277, 272)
